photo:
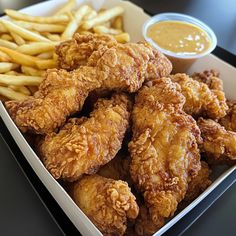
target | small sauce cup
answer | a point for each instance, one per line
(181, 62)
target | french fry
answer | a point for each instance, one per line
(90, 14)
(7, 44)
(4, 57)
(19, 58)
(53, 37)
(66, 8)
(118, 23)
(7, 37)
(32, 71)
(46, 55)
(53, 28)
(100, 29)
(19, 80)
(103, 17)
(46, 64)
(12, 72)
(74, 23)
(122, 38)
(7, 66)
(24, 33)
(18, 39)
(11, 94)
(21, 89)
(39, 19)
(36, 48)
(3, 28)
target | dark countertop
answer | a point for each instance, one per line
(21, 210)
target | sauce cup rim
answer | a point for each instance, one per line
(171, 16)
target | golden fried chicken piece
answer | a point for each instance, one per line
(127, 65)
(219, 145)
(200, 100)
(60, 95)
(108, 203)
(197, 185)
(83, 145)
(229, 121)
(209, 77)
(164, 151)
(117, 169)
(75, 52)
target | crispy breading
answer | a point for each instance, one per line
(75, 52)
(200, 100)
(60, 95)
(229, 121)
(82, 146)
(128, 65)
(164, 151)
(108, 203)
(209, 77)
(219, 145)
(197, 185)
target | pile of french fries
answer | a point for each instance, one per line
(27, 43)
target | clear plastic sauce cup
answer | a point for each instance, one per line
(181, 62)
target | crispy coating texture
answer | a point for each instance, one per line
(229, 121)
(197, 185)
(83, 145)
(117, 169)
(164, 151)
(209, 77)
(108, 203)
(127, 65)
(219, 145)
(75, 52)
(200, 100)
(60, 95)
(122, 68)
(144, 225)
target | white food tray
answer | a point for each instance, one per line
(134, 17)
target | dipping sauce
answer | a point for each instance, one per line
(179, 37)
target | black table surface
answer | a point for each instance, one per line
(21, 210)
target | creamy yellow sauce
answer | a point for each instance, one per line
(179, 37)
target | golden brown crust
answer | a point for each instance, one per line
(209, 77)
(197, 185)
(60, 95)
(108, 203)
(219, 145)
(126, 65)
(75, 52)
(164, 152)
(229, 121)
(81, 147)
(200, 100)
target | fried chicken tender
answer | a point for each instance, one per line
(127, 65)
(211, 78)
(108, 203)
(83, 145)
(164, 151)
(60, 95)
(200, 100)
(197, 185)
(144, 224)
(117, 169)
(75, 52)
(219, 145)
(229, 121)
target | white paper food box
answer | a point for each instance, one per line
(134, 17)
